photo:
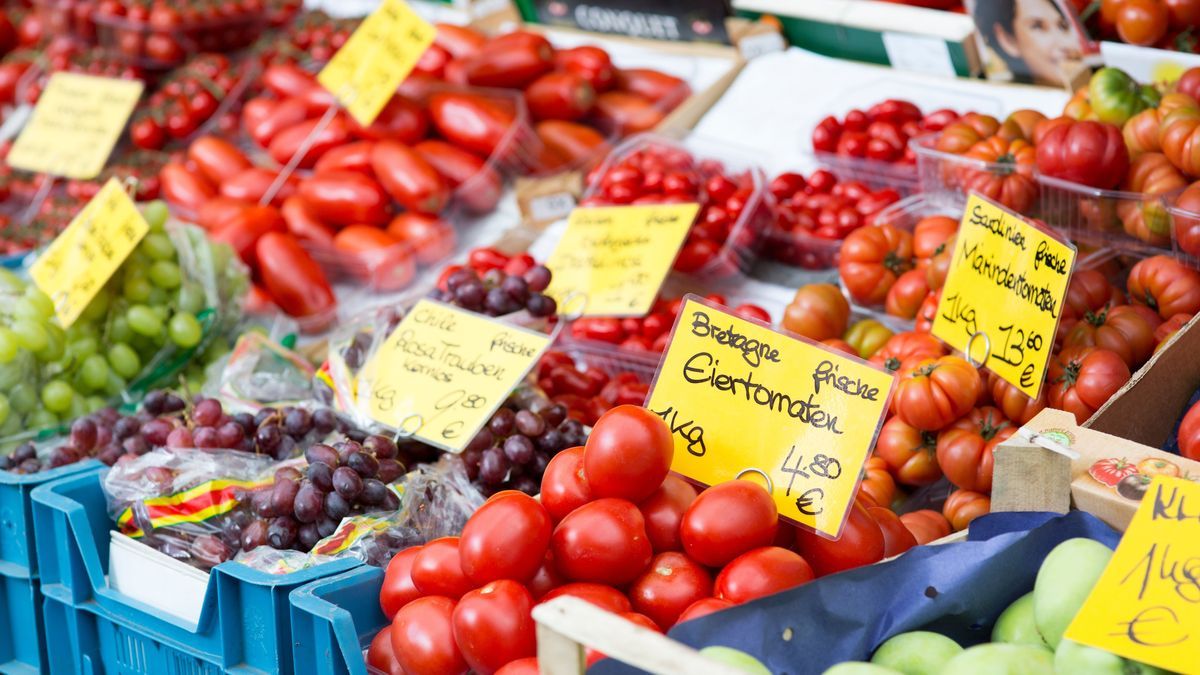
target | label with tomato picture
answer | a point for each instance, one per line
(84, 257)
(1146, 604)
(742, 398)
(1129, 478)
(381, 52)
(75, 125)
(618, 256)
(1004, 292)
(443, 371)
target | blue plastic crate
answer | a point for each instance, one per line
(334, 619)
(22, 647)
(245, 623)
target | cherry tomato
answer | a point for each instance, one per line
(245, 227)
(376, 257)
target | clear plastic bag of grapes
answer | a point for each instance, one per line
(190, 504)
(258, 372)
(166, 311)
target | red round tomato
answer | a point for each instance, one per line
(1112, 471)
(506, 538)
(926, 525)
(1091, 153)
(628, 453)
(861, 543)
(493, 626)
(605, 597)
(907, 294)
(436, 569)
(526, 666)
(398, 587)
(379, 654)
(910, 453)
(761, 572)
(1142, 22)
(933, 393)
(663, 512)
(1081, 379)
(872, 259)
(1164, 285)
(1189, 433)
(704, 608)
(673, 582)
(896, 537)
(602, 541)
(727, 520)
(564, 487)
(423, 638)
(965, 449)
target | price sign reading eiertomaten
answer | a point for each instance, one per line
(618, 256)
(741, 398)
(381, 52)
(77, 264)
(1004, 292)
(446, 370)
(75, 125)
(1146, 604)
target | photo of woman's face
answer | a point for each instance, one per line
(1042, 37)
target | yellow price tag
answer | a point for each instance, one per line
(618, 256)
(446, 370)
(1146, 605)
(742, 398)
(75, 125)
(381, 52)
(1004, 293)
(77, 264)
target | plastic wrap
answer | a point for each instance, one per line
(189, 504)
(258, 372)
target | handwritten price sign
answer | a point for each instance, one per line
(381, 52)
(449, 370)
(77, 264)
(742, 398)
(75, 125)
(1146, 605)
(618, 256)
(1004, 293)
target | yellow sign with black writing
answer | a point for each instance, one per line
(444, 371)
(77, 264)
(75, 125)
(381, 52)
(618, 256)
(1146, 605)
(1004, 293)
(741, 398)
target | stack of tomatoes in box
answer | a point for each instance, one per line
(613, 528)
(879, 133)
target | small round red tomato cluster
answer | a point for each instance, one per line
(651, 332)
(880, 133)
(67, 56)
(587, 392)
(142, 166)
(162, 33)
(312, 36)
(612, 528)
(729, 221)
(185, 101)
(52, 218)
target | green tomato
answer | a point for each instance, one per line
(1016, 626)
(860, 668)
(1063, 583)
(916, 653)
(1072, 658)
(1115, 96)
(736, 658)
(1001, 659)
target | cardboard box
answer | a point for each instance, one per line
(900, 36)
(1118, 448)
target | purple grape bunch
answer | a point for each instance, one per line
(512, 450)
(497, 293)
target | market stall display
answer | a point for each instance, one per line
(313, 402)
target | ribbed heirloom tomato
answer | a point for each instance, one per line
(908, 452)
(926, 525)
(1091, 153)
(963, 506)
(908, 348)
(965, 450)
(1165, 285)
(1119, 329)
(1081, 379)
(872, 258)
(1013, 402)
(932, 394)
(818, 312)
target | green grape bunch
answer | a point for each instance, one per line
(166, 310)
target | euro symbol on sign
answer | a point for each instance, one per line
(1158, 636)
(806, 501)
